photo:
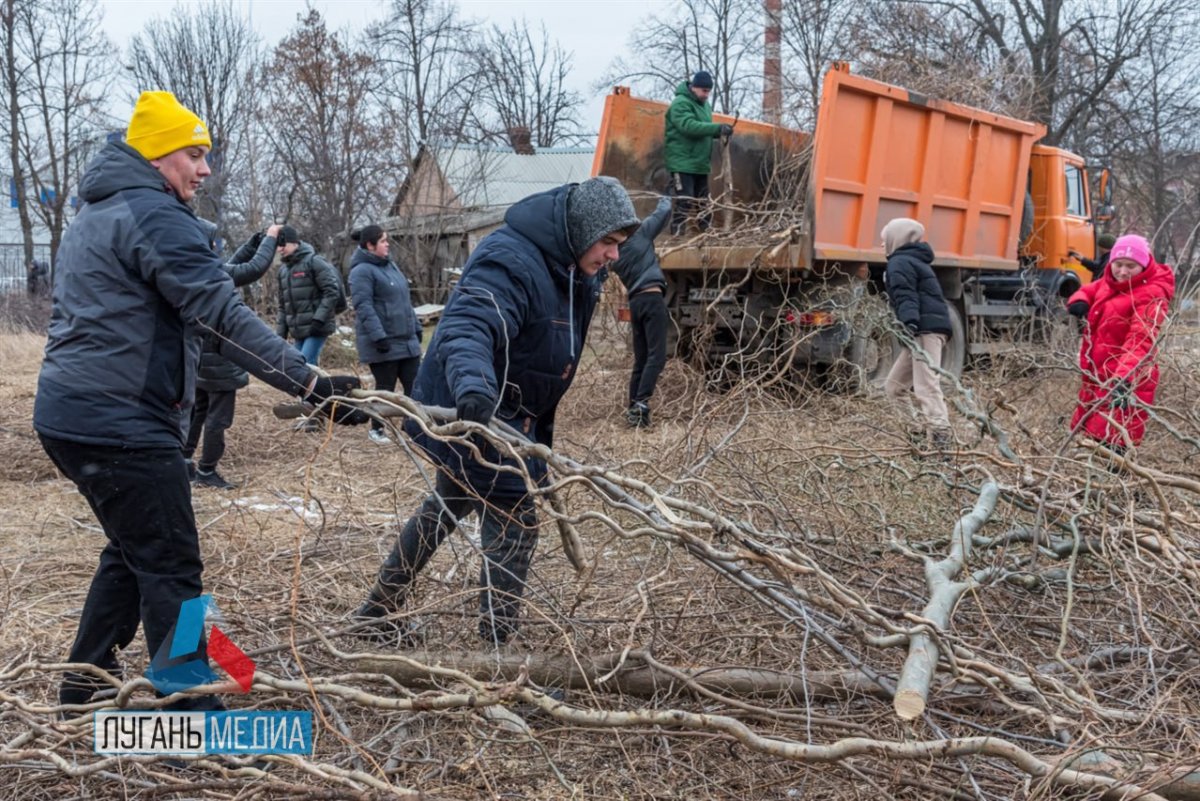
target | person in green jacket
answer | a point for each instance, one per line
(687, 148)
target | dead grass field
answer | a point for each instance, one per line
(828, 481)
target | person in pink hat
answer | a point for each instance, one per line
(1123, 312)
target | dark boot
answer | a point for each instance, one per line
(918, 441)
(380, 626)
(943, 443)
(638, 414)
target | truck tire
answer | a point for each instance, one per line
(871, 354)
(954, 354)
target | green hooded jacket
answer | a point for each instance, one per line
(687, 141)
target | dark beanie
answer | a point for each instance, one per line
(702, 80)
(367, 235)
(596, 208)
(1106, 241)
(287, 234)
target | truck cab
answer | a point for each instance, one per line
(1062, 211)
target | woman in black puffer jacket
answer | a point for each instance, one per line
(916, 298)
(387, 328)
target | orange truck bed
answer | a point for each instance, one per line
(878, 152)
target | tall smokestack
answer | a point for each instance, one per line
(772, 69)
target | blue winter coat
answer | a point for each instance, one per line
(513, 330)
(383, 309)
(134, 271)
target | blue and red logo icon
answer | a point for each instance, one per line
(179, 664)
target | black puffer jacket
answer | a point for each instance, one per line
(249, 263)
(309, 288)
(638, 266)
(914, 292)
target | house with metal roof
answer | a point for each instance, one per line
(457, 194)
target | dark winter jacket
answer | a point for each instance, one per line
(309, 288)
(218, 374)
(1119, 343)
(638, 266)
(687, 140)
(914, 292)
(1097, 266)
(134, 272)
(513, 330)
(383, 309)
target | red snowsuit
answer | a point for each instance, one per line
(1123, 320)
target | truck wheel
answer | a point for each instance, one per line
(954, 354)
(871, 354)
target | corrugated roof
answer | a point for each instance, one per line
(498, 177)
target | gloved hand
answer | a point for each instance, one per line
(1078, 309)
(256, 240)
(1121, 395)
(726, 130)
(475, 407)
(329, 386)
(913, 329)
(382, 345)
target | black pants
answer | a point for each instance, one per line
(691, 198)
(508, 534)
(151, 563)
(212, 414)
(386, 374)
(649, 313)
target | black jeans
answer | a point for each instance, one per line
(691, 198)
(386, 374)
(649, 313)
(212, 414)
(151, 563)
(508, 534)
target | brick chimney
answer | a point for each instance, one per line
(772, 71)
(519, 138)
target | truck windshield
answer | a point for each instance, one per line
(1075, 197)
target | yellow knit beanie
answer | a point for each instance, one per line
(161, 125)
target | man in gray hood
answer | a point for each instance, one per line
(134, 281)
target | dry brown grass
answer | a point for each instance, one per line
(823, 478)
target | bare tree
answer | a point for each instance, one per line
(425, 51)
(723, 37)
(67, 80)
(207, 55)
(11, 13)
(815, 32)
(331, 147)
(522, 80)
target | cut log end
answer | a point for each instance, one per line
(909, 704)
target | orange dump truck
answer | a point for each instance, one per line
(794, 254)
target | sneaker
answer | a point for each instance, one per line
(638, 415)
(211, 478)
(379, 437)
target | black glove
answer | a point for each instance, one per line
(1121, 395)
(1078, 309)
(476, 407)
(726, 130)
(382, 345)
(913, 328)
(256, 240)
(337, 385)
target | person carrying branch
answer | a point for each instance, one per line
(507, 346)
(687, 149)
(388, 331)
(1123, 313)
(136, 278)
(645, 285)
(916, 299)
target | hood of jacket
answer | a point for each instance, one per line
(303, 251)
(361, 256)
(542, 219)
(916, 250)
(684, 90)
(118, 167)
(1155, 278)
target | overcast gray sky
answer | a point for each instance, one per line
(593, 31)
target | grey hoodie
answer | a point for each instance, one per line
(134, 271)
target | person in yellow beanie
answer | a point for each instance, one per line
(135, 283)
(173, 139)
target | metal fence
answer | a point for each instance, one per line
(13, 269)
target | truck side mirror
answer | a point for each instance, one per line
(1107, 182)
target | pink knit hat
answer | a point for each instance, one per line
(1132, 247)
